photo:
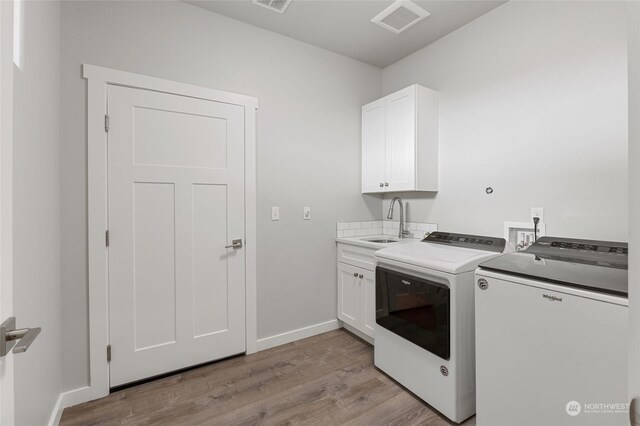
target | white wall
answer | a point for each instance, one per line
(308, 143)
(533, 102)
(36, 211)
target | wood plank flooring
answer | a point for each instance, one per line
(327, 379)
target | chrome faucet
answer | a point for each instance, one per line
(401, 233)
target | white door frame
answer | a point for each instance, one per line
(634, 201)
(7, 403)
(98, 78)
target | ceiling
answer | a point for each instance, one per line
(344, 27)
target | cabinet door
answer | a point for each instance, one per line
(349, 294)
(373, 146)
(369, 302)
(400, 140)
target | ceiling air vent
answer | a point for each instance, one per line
(400, 16)
(274, 5)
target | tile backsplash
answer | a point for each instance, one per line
(382, 227)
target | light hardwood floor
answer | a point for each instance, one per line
(327, 379)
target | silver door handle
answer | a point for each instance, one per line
(9, 336)
(235, 244)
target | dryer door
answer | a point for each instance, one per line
(416, 309)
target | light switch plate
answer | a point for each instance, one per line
(275, 213)
(307, 213)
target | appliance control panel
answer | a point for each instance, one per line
(476, 242)
(577, 250)
(587, 247)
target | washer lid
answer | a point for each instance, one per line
(441, 257)
(599, 266)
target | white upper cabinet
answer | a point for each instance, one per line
(400, 142)
(373, 146)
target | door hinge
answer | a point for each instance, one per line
(106, 122)
(106, 238)
(108, 353)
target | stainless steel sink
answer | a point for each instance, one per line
(382, 241)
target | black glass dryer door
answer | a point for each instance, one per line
(415, 309)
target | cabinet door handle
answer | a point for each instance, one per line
(386, 184)
(355, 274)
(381, 184)
(361, 276)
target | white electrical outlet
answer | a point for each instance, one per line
(306, 213)
(275, 213)
(537, 212)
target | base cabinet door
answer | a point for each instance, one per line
(357, 298)
(369, 302)
(349, 294)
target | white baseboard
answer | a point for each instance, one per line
(56, 414)
(293, 335)
(78, 396)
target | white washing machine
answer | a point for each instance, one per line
(551, 335)
(424, 333)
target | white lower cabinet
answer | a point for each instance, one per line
(369, 302)
(356, 297)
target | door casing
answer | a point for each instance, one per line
(7, 402)
(98, 79)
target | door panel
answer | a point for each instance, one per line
(160, 138)
(369, 297)
(348, 294)
(154, 264)
(400, 140)
(210, 295)
(373, 146)
(176, 198)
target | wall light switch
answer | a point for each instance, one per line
(275, 213)
(307, 213)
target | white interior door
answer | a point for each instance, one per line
(176, 199)
(401, 136)
(6, 242)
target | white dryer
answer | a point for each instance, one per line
(424, 333)
(551, 335)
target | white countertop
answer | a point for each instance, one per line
(362, 241)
